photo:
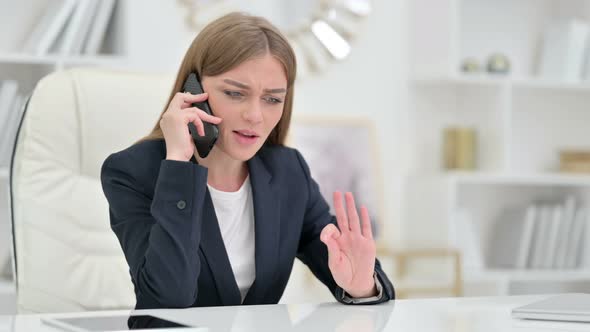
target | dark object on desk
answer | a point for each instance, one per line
(115, 323)
(150, 322)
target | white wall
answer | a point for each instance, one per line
(371, 82)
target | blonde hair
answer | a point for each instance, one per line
(226, 43)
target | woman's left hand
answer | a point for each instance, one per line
(351, 249)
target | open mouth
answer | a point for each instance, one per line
(245, 137)
(245, 133)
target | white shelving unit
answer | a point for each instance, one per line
(521, 123)
(7, 297)
(28, 69)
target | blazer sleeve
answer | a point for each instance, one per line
(314, 253)
(160, 237)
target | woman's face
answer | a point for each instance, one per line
(250, 100)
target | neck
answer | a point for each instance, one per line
(224, 172)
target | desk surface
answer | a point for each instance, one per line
(448, 314)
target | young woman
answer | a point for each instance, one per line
(225, 229)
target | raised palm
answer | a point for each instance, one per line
(351, 248)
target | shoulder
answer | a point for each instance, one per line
(141, 160)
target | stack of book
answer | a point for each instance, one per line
(70, 27)
(11, 110)
(543, 235)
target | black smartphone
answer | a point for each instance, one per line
(115, 323)
(205, 143)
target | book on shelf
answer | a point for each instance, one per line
(71, 27)
(577, 238)
(99, 27)
(526, 239)
(569, 210)
(541, 237)
(546, 234)
(506, 238)
(564, 50)
(48, 28)
(555, 223)
(77, 27)
(585, 246)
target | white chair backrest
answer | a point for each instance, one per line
(67, 257)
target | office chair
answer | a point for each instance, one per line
(66, 256)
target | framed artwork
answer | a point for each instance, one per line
(342, 155)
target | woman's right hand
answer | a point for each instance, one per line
(174, 125)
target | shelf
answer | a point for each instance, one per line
(490, 275)
(52, 59)
(551, 85)
(463, 79)
(522, 121)
(541, 179)
(94, 60)
(491, 80)
(22, 58)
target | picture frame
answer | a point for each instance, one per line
(343, 155)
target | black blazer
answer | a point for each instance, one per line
(163, 216)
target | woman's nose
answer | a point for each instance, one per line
(253, 113)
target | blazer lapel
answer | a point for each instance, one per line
(267, 229)
(214, 250)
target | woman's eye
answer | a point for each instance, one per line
(233, 94)
(273, 100)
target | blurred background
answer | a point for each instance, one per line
(463, 123)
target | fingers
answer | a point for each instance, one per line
(367, 230)
(184, 101)
(181, 98)
(206, 116)
(353, 217)
(348, 219)
(194, 119)
(340, 213)
(189, 98)
(197, 117)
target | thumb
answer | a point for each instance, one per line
(330, 232)
(328, 236)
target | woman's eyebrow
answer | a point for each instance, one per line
(246, 87)
(280, 90)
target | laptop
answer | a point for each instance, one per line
(574, 307)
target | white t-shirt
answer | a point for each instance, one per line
(235, 215)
